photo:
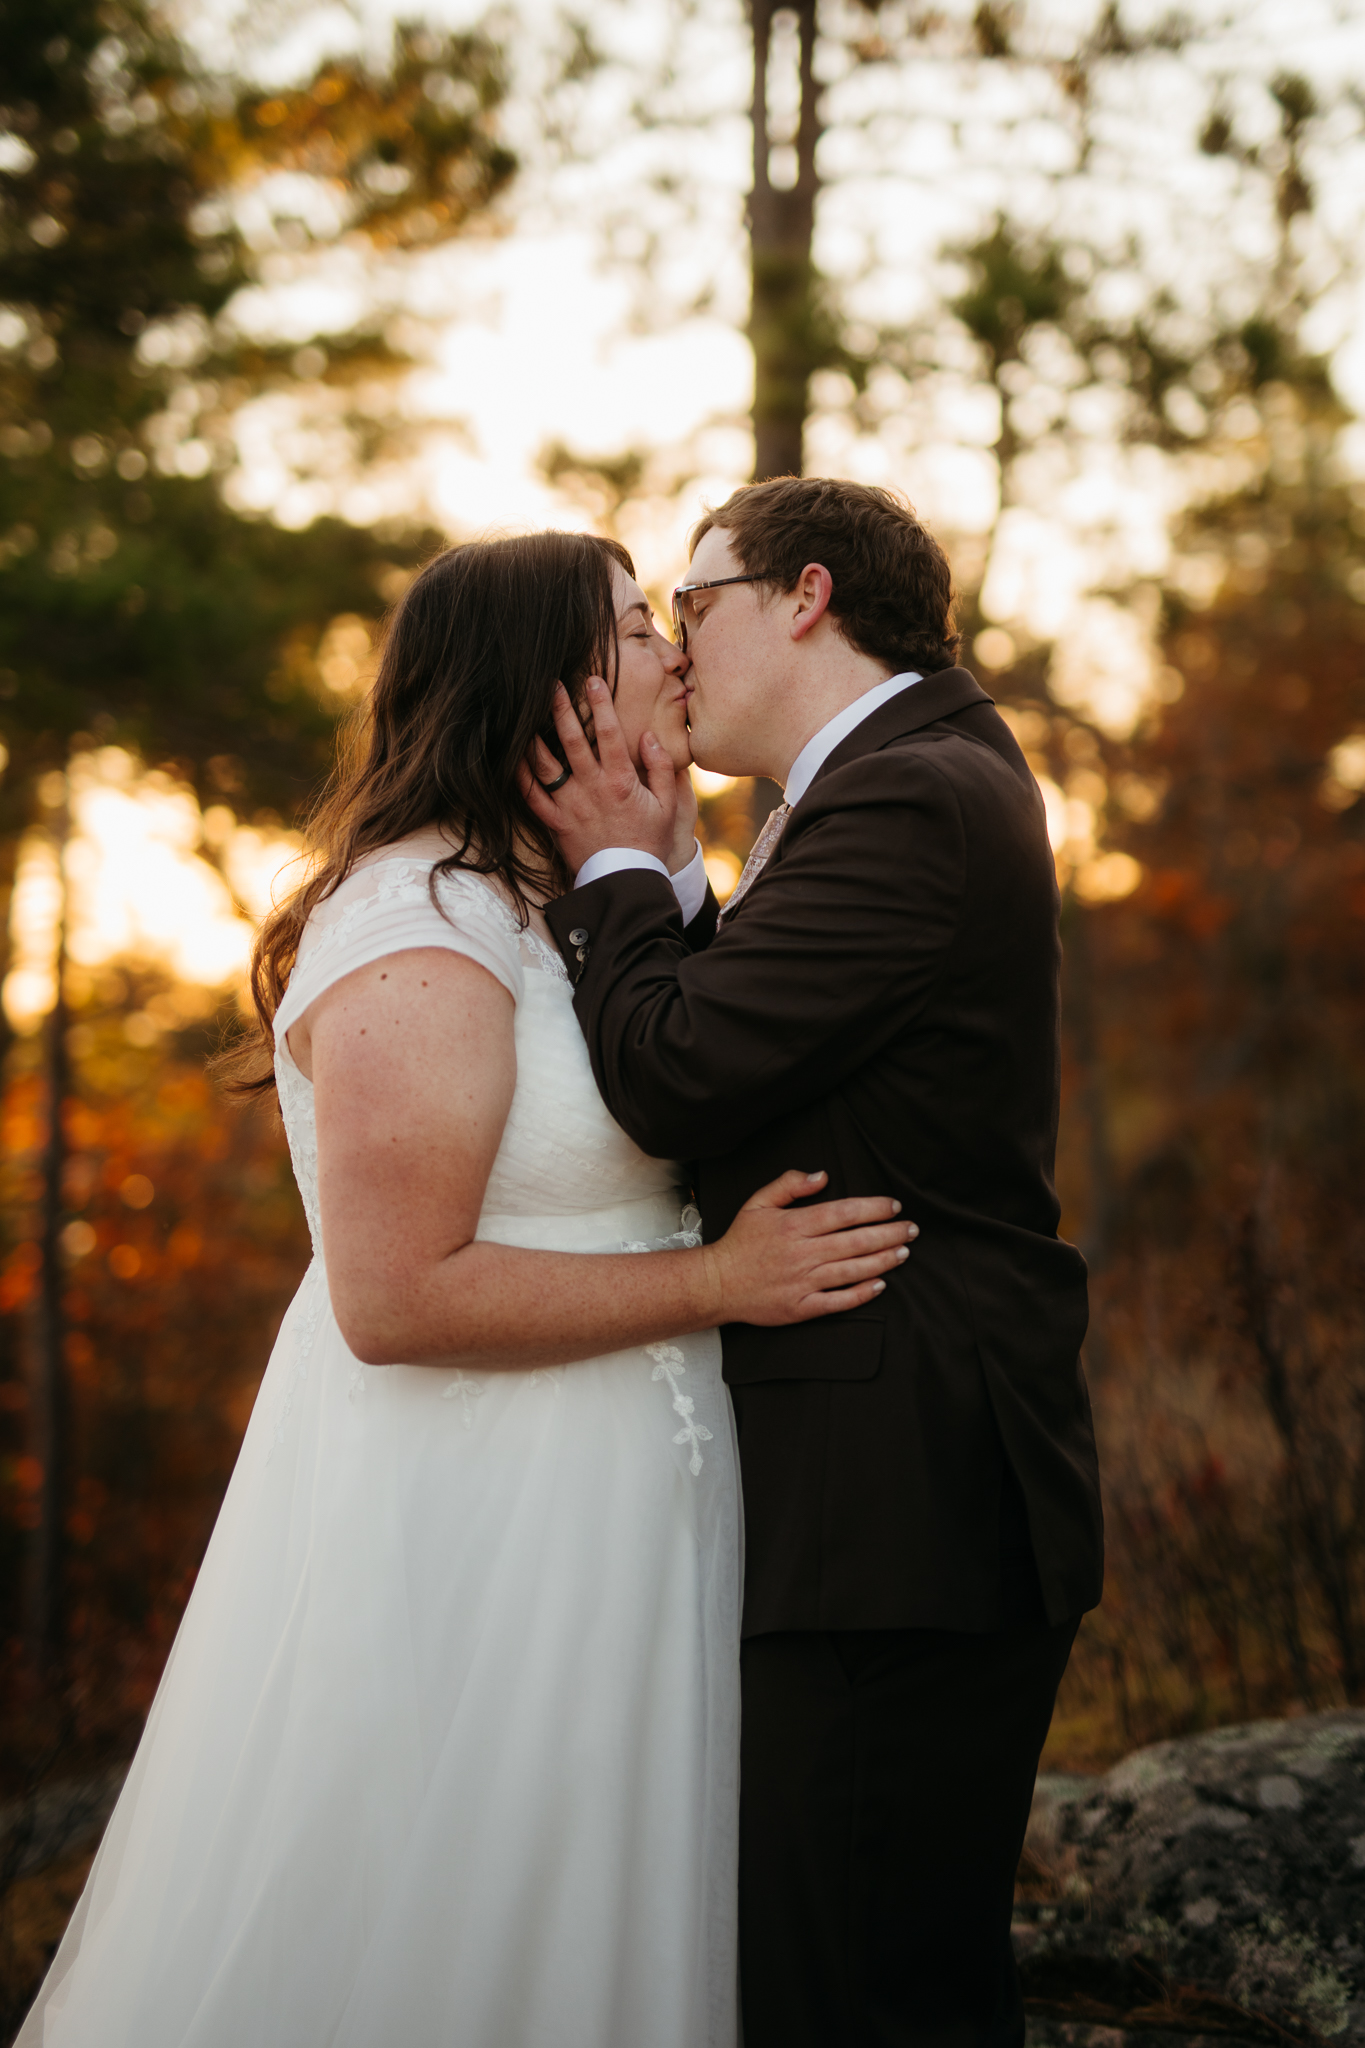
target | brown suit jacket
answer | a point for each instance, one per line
(882, 1004)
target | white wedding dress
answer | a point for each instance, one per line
(446, 1751)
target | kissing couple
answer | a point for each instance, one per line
(449, 1750)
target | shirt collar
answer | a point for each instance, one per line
(816, 751)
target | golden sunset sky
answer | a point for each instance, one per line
(604, 312)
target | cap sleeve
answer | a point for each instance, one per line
(385, 907)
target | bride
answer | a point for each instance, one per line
(445, 1753)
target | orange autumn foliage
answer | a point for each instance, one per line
(172, 1300)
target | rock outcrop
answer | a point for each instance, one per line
(1210, 1886)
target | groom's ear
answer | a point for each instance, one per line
(813, 590)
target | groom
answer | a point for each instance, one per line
(879, 999)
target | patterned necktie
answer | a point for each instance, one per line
(757, 861)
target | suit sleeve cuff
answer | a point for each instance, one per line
(615, 860)
(688, 885)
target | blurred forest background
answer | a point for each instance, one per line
(288, 294)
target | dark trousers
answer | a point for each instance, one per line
(886, 1782)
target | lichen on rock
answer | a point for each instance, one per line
(1212, 1885)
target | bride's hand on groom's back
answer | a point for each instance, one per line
(778, 1264)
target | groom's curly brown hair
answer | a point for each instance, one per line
(893, 588)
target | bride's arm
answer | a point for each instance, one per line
(413, 1069)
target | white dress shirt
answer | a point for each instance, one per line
(689, 884)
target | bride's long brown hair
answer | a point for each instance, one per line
(472, 653)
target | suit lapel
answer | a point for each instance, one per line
(925, 703)
(939, 696)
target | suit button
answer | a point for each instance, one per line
(579, 937)
(583, 953)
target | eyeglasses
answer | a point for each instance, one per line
(685, 590)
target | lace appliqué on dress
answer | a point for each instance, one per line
(669, 1367)
(669, 1361)
(545, 956)
(464, 1388)
(685, 1239)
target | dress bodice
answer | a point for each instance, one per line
(566, 1176)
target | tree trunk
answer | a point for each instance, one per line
(784, 314)
(9, 861)
(47, 1615)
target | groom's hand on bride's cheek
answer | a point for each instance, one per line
(604, 802)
